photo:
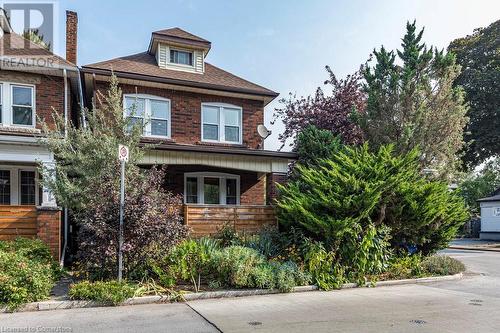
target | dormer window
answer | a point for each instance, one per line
(181, 57)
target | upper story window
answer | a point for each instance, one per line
(181, 57)
(221, 123)
(17, 104)
(150, 112)
(22, 105)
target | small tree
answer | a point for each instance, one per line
(86, 180)
(314, 144)
(340, 201)
(330, 112)
(415, 105)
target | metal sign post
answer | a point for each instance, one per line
(123, 157)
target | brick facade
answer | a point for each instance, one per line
(49, 229)
(252, 184)
(49, 92)
(271, 188)
(185, 111)
(71, 36)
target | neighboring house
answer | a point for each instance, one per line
(33, 83)
(204, 121)
(490, 217)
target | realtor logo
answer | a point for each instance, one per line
(36, 21)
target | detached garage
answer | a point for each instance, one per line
(490, 217)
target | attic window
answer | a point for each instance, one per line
(181, 57)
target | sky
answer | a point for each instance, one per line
(282, 45)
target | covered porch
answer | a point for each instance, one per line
(222, 186)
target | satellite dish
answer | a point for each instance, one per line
(263, 131)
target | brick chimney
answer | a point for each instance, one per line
(71, 36)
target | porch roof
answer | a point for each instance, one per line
(224, 157)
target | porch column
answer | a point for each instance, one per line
(272, 190)
(48, 198)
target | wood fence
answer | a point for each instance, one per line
(205, 220)
(18, 221)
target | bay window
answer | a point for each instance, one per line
(150, 112)
(221, 123)
(211, 188)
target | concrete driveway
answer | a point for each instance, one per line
(469, 305)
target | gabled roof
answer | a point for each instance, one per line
(492, 198)
(144, 66)
(178, 36)
(179, 33)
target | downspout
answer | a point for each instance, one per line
(80, 92)
(65, 237)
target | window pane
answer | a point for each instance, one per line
(135, 106)
(133, 121)
(210, 132)
(191, 190)
(21, 95)
(159, 109)
(159, 127)
(231, 192)
(4, 187)
(27, 187)
(211, 190)
(232, 133)
(210, 115)
(22, 115)
(232, 117)
(181, 57)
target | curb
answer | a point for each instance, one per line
(69, 304)
(471, 248)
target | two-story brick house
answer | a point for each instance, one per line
(33, 83)
(204, 121)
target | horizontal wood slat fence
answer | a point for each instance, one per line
(208, 219)
(18, 221)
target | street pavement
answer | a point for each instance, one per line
(468, 305)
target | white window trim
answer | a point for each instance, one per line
(181, 50)
(222, 124)
(33, 105)
(6, 93)
(222, 181)
(147, 114)
(15, 183)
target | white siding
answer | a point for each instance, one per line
(490, 222)
(163, 60)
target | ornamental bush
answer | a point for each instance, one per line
(442, 265)
(27, 272)
(359, 200)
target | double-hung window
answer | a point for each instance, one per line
(150, 112)
(211, 188)
(19, 186)
(181, 57)
(221, 123)
(22, 105)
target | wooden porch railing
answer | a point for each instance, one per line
(208, 219)
(18, 221)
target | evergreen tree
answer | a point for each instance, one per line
(414, 104)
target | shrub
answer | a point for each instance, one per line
(107, 292)
(325, 272)
(189, 260)
(288, 276)
(404, 267)
(234, 265)
(227, 235)
(442, 265)
(356, 191)
(264, 276)
(27, 272)
(269, 242)
(152, 225)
